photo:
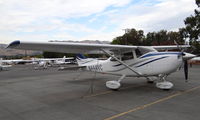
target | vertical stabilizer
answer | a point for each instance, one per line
(63, 60)
(1, 61)
(83, 61)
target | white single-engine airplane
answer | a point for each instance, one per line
(46, 62)
(2, 67)
(124, 60)
(63, 61)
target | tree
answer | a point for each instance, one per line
(118, 40)
(198, 3)
(162, 37)
(192, 28)
(192, 24)
(150, 37)
(131, 37)
(175, 36)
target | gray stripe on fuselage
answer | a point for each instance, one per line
(87, 62)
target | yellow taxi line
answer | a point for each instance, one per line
(152, 103)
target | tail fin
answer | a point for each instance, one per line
(1, 61)
(63, 59)
(80, 56)
(81, 59)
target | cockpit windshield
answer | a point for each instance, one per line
(138, 53)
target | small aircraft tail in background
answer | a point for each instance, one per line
(82, 60)
(64, 60)
(41, 65)
(0, 61)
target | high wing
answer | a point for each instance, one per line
(171, 47)
(69, 47)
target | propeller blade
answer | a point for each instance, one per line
(186, 69)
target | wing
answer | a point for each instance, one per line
(68, 47)
(171, 47)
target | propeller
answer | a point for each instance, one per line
(186, 70)
(185, 61)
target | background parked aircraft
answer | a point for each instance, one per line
(2, 66)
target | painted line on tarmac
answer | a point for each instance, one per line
(152, 103)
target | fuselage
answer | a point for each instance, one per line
(149, 64)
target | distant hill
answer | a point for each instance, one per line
(2, 46)
(13, 52)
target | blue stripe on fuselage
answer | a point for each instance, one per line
(152, 61)
(161, 53)
(117, 65)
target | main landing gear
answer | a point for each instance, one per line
(114, 85)
(164, 84)
(151, 79)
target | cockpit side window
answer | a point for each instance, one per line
(112, 59)
(127, 56)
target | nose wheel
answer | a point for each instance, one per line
(164, 85)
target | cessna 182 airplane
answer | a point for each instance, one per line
(124, 60)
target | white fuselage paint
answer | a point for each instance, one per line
(150, 64)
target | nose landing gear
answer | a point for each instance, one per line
(164, 84)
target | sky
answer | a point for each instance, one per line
(44, 20)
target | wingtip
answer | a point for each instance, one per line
(13, 44)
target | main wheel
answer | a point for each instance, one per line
(114, 85)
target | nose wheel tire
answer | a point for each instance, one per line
(165, 85)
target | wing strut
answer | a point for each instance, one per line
(138, 73)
